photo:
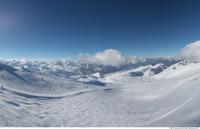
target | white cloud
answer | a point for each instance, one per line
(109, 57)
(191, 52)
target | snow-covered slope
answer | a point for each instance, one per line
(140, 73)
(182, 68)
(169, 98)
(154, 93)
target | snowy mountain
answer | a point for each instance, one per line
(91, 91)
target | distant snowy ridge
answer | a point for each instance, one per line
(105, 62)
(79, 67)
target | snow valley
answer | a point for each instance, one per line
(105, 89)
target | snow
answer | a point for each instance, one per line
(179, 69)
(153, 92)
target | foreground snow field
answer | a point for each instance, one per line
(149, 95)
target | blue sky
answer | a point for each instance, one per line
(65, 28)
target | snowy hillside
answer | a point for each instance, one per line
(92, 92)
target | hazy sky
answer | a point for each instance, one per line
(65, 28)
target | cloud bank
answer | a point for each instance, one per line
(108, 57)
(191, 52)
